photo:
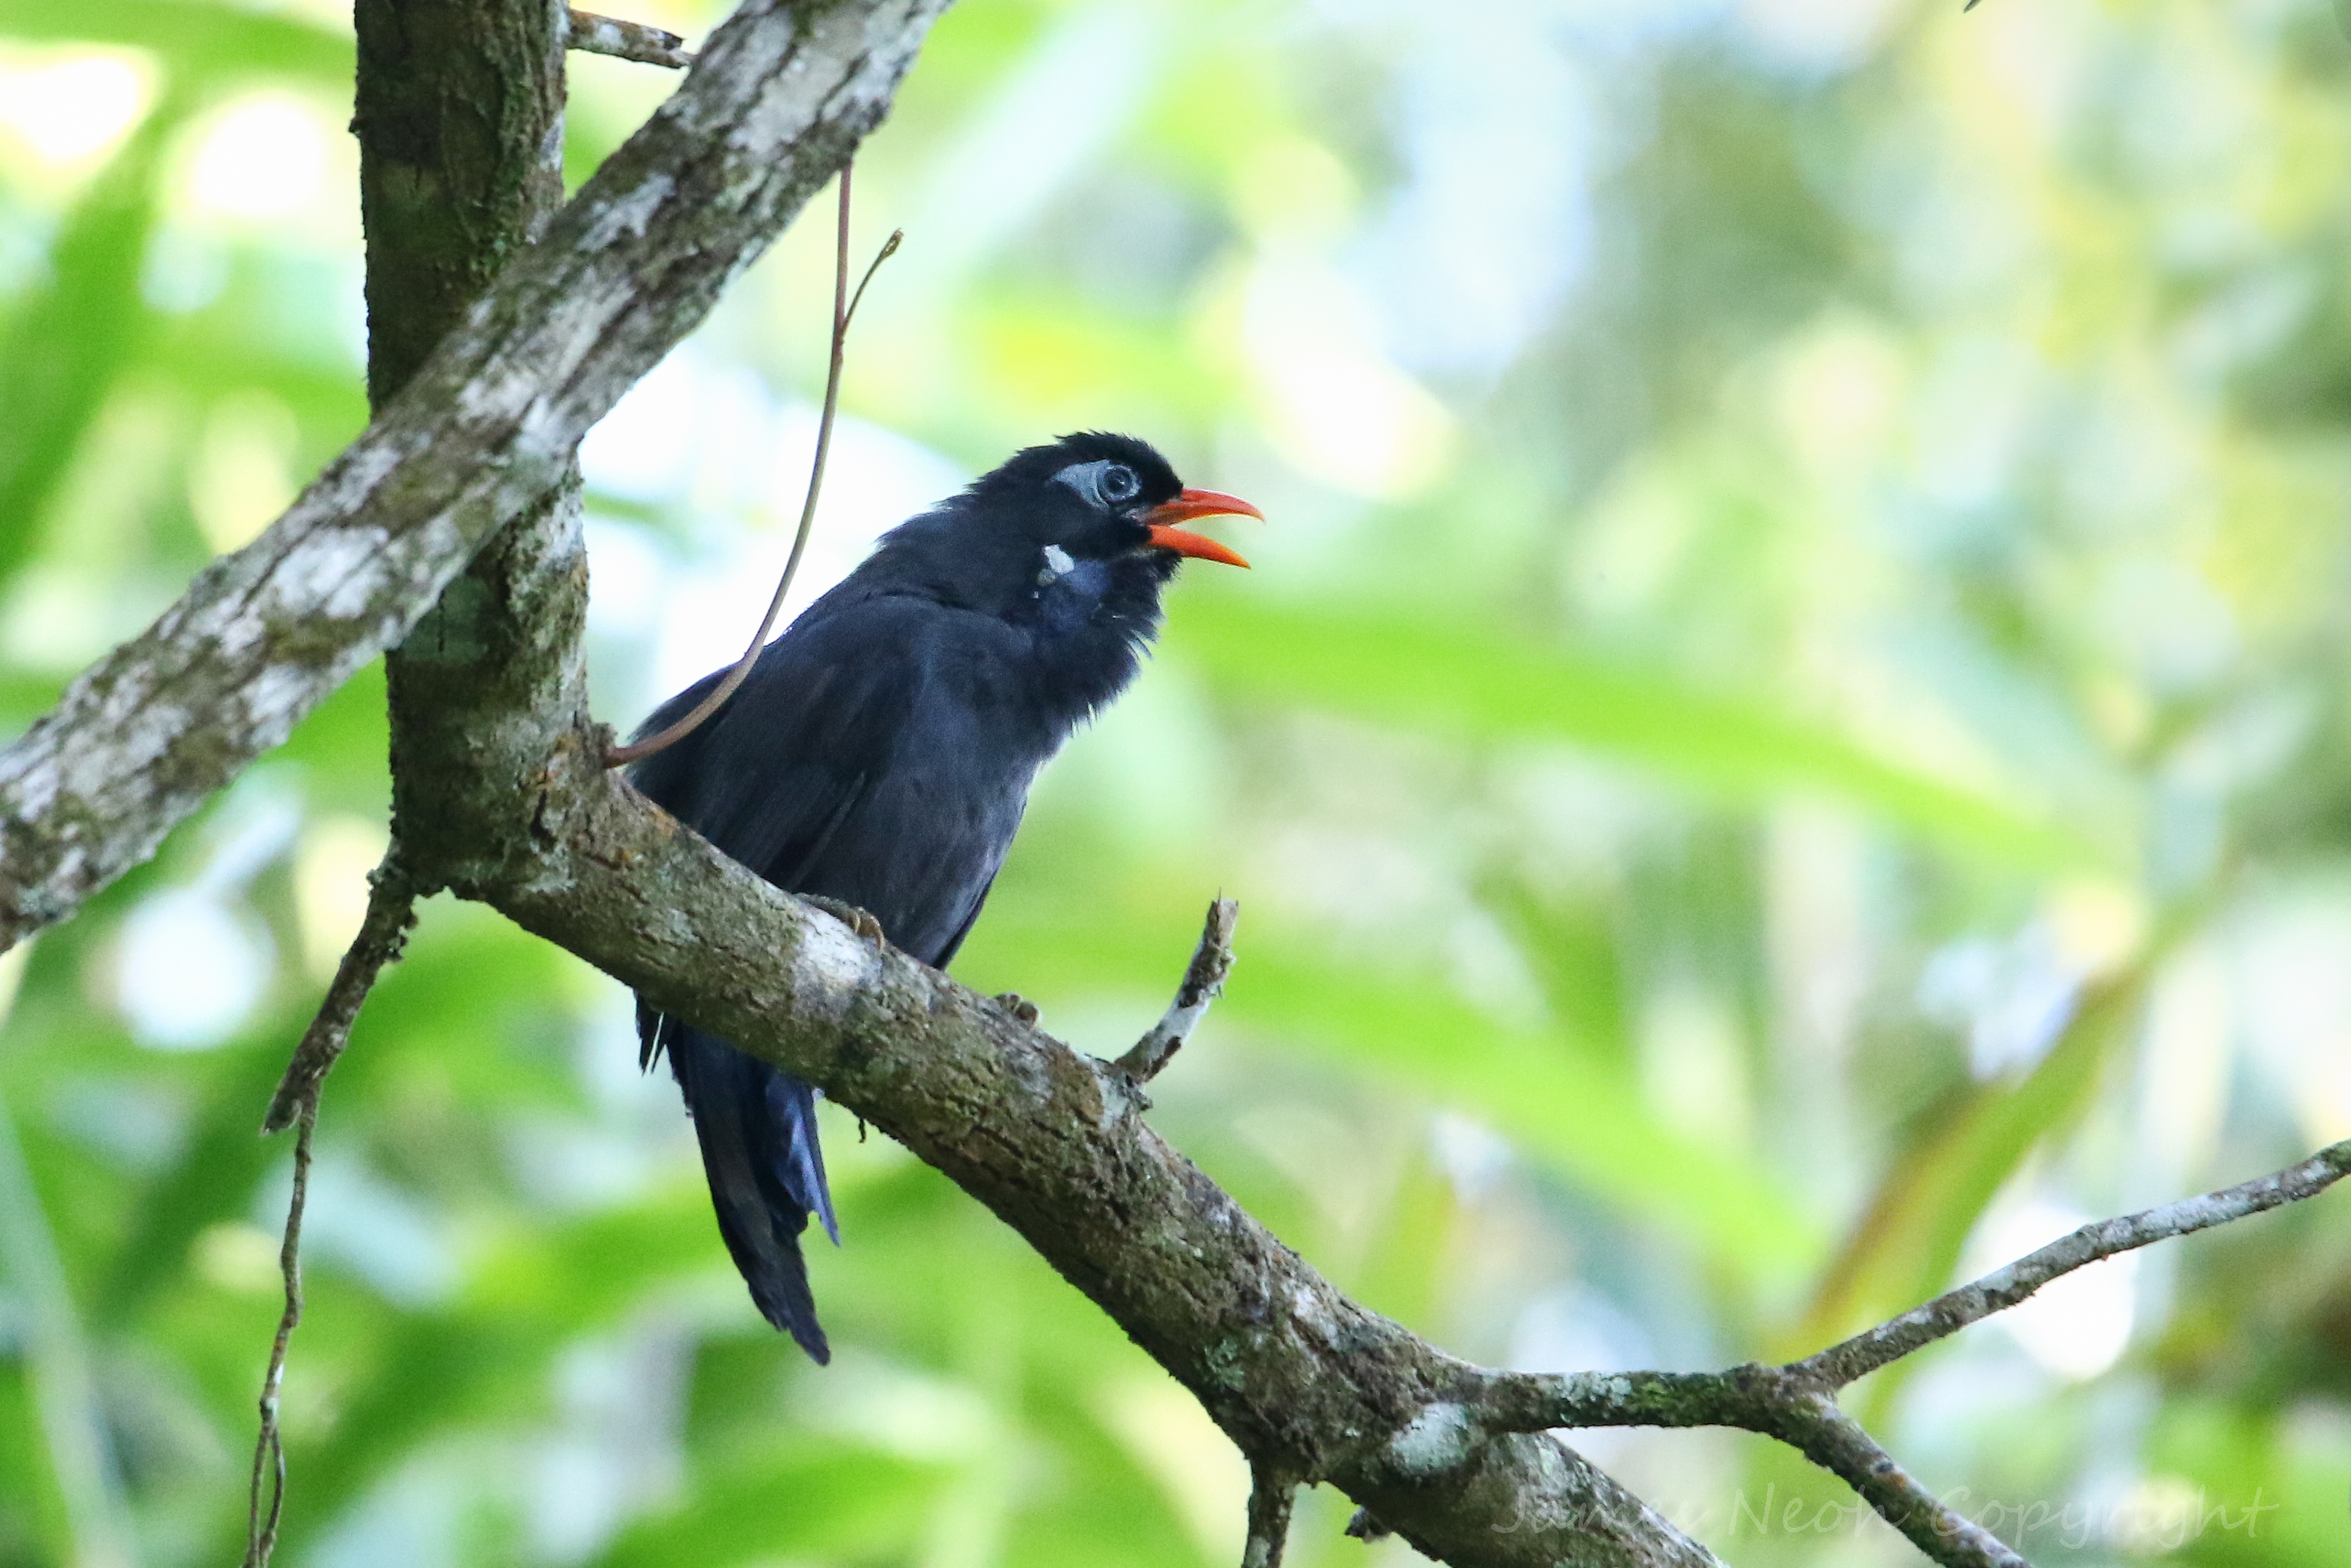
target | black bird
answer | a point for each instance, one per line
(880, 755)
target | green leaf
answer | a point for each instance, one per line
(1447, 681)
(1906, 1247)
(801, 1499)
(212, 1179)
(201, 40)
(65, 343)
(1559, 1099)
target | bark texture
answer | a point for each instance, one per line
(459, 116)
(460, 125)
(499, 791)
(1304, 1380)
(484, 430)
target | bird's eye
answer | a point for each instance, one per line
(1102, 482)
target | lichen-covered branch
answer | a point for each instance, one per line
(1797, 1403)
(1271, 1496)
(1810, 1421)
(639, 41)
(2005, 1287)
(1203, 983)
(778, 99)
(1540, 1402)
(1781, 1402)
(1303, 1379)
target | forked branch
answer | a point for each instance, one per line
(2005, 1287)
(1797, 1403)
(484, 430)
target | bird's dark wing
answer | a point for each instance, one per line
(859, 761)
(971, 918)
(770, 777)
(876, 755)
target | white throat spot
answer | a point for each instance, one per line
(1058, 565)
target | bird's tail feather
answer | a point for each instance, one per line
(757, 1126)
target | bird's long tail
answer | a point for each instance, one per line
(758, 1129)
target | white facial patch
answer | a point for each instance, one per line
(1085, 478)
(1058, 565)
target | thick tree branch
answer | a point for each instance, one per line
(460, 126)
(778, 100)
(1304, 1380)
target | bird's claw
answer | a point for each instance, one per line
(1019, 1005)
(860, 921)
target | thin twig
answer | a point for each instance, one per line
(1811, 1422)
(1530, 1401)
(384, 931)
(2004, 1288)
(1797, 1403)
(1271, 1496)
(1203, 983)
(269, 1447)
(845, 308)
(638, 41)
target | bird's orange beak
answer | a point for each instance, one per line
(1162, 519)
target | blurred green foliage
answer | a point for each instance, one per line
(1788, 741)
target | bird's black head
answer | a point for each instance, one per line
(1096, 496)
(1081, 527)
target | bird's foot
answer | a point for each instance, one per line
(1019, 1005)
(860, 921)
